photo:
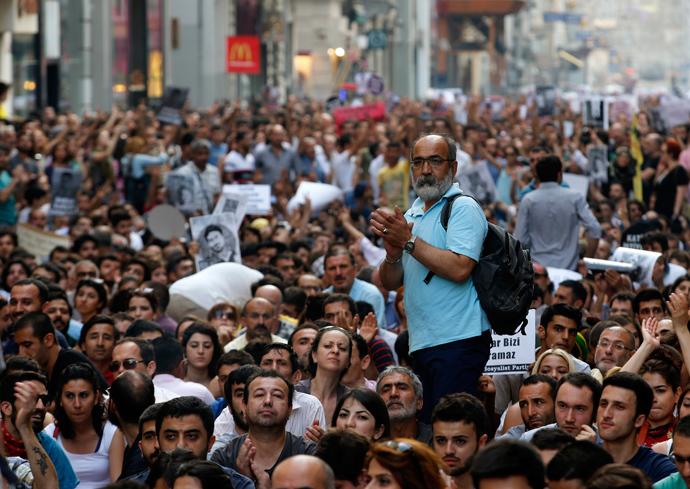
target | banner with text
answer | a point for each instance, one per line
(38, 242)
(512, 354)
(374, 111)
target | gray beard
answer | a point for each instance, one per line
(429, 188)
(402, 414)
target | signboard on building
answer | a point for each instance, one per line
(243, 55)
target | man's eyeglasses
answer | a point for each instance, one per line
(616, 346)
(680, 460)
(434, 162)
(128, 364)
(224, 314)
(45, 399)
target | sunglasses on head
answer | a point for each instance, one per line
(128, 364)
(225, 314)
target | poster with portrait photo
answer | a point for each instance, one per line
(545, 98)
(181, 193)
(598, 165)
(232, 203)
(596, 112)
(65, 186)
(218, 239)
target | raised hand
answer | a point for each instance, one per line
(369, 327)
(314, 432)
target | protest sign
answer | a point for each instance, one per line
(598, 165)
(512, 354)
(577, 182)
(173, 101)
(66, 183)
(675, 111)
(376, 111)
(320, 195)
(39, 242)
(181, 192)
(259, 196)
(558, 275)
(596, 112)
(217, 238)
(233, 203)
(545, 98)
(642, 261)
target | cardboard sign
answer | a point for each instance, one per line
(66, 183)
(374, 111)
(173, 101)
(232, 203)
(259, 202)
(512, 354)
(577, 182)
(217, 238)
(38, 242)
(598, 165)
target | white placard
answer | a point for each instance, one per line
(512, 354)
(320, 195)
(259, 197)
(232, 203)
(577, 182)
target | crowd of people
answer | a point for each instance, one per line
(345, 346)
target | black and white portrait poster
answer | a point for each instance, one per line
(232, 203)
(598, 165)
(545, 98)
(217, 238)
(66, 183)
(475, 180)
(181, 193)
(596, 112)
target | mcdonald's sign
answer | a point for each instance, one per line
(243, 55)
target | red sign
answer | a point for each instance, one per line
(243, 55)
(376, 111)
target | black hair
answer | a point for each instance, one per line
(578, 290)
(506, 458)
(294, 359)
(578, 460)
(211, 332)
(644, 395)
(551, 439)
(646, 295)
(168, 464)
(263, 373)
(145, 348)
(98, 287)
(140, 326)
(339, 251)
(42, 288)
(7, 393)
(651, 237)
(149, 414)
(580, 380)
(239, 376)
(344, 450)
(19, 363)
(402, 348)
(169, 354)
(6, 271)
(624, 296)
(162, 293)
(364, 308)
(78, 371)
(186, 406)
(38, 321)
(373, 403)
(462, 407)
(295, 296)
(548, 168)
(132, 397)
(560, 309)
(209, 474)
(361, 343)
(144, 265)
(51, 268)
(234, 357)
(299, 328)
(541, 378)
(312, 367)
(82, 240)
(331, 298)
(665, 368)
(94, 321)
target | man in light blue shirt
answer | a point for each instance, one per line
(449, 331)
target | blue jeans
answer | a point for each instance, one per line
(450, 368)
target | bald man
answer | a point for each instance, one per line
(283, 325)
(302, 472)
(258, 316)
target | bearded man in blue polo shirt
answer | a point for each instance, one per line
(450, 334)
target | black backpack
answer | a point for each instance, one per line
(503, 277)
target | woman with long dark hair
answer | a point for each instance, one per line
(94, 448)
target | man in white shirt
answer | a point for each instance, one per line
(170, 370)
(240, 164)
(258, 317)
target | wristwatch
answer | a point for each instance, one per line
(409, 246)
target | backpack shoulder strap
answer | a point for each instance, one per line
(445, 217)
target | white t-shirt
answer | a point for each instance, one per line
(92, 469)
(234, 162)
(343, 170)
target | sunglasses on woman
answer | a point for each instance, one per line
(225, 314)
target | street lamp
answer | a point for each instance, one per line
(339, 52)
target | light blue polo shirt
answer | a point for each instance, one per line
(444, 311)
